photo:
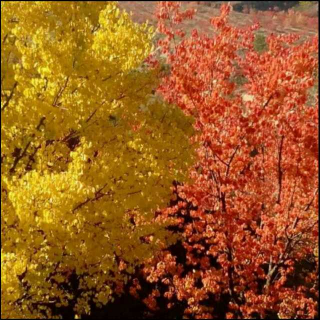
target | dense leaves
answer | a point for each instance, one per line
(249, 217)
(90, 157)
(88, 154)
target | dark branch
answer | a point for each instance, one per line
(10, 97)
(59, 94)
(231, 159)
(311, 201)
(98, 195)
(268, 101)
(280, 172)
(17, 159)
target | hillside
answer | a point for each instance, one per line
(302, 20)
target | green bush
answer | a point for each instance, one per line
(260, 43)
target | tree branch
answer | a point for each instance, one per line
(268, 101)
(59, 94)
(18, 158)
(98, 195)
(231, 159)
(310, 203)
(280, 172)
(10, 97)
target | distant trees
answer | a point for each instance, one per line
(265, 5)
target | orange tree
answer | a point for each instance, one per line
(249, 217)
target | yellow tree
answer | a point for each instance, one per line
(88, 153)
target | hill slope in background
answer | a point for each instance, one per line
(299, 19)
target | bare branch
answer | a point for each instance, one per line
(268, 101)
(25, 150)
(311, 201)
(231, 159)
(98, 195)
(18, 158)
(280, 172)
(10, 97)
(55, 102)
(226, 164)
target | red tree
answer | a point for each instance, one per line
(249, 215)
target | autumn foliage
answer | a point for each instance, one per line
(249, 217)
(99, 128)
(88, 153)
